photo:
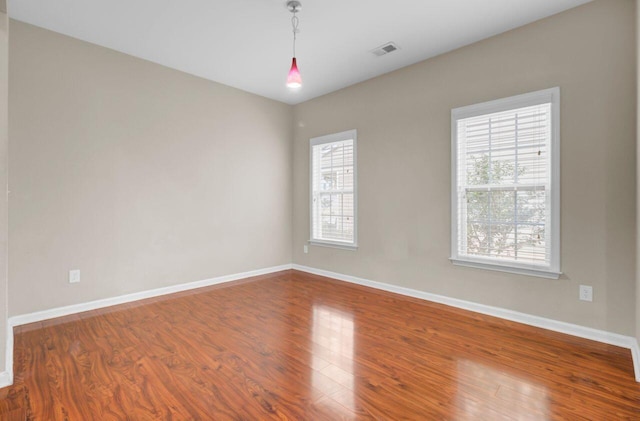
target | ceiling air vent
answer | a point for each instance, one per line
(387, 48)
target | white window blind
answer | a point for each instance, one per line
(505, 192)
(333, 189)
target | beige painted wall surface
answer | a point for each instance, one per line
(403, 123)
(138, 175)
(638, 171)
(4, 249)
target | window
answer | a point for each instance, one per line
(505, 180)
(333, 190)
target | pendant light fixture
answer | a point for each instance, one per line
(293, 79)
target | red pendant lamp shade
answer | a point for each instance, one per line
(293, 79)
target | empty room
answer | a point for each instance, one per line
(319, 210)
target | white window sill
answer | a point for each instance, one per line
(344, 246)
(541, 273)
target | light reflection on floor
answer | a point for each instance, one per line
(332, 360)
(483, 390)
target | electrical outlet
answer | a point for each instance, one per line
(586, 293)
(306, 248)
(74, 276)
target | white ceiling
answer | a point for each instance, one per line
(247, 43)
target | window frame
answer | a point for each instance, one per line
(330, 138)
(552, 270)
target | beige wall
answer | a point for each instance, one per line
(638, 171)
(138, 175)
(4, 74)
(403, 123)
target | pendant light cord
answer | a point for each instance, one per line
(294, 23)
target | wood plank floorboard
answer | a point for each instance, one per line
(295, 346)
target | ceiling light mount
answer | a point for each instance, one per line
(294, 6)
(293, 78)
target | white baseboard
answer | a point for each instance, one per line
(515, 316)
(5, 379)
(635, 354)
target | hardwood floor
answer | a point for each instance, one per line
(301, 347)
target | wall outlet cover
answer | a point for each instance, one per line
(74, 276)
(586, 293)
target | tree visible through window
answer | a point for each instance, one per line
(504, 223)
